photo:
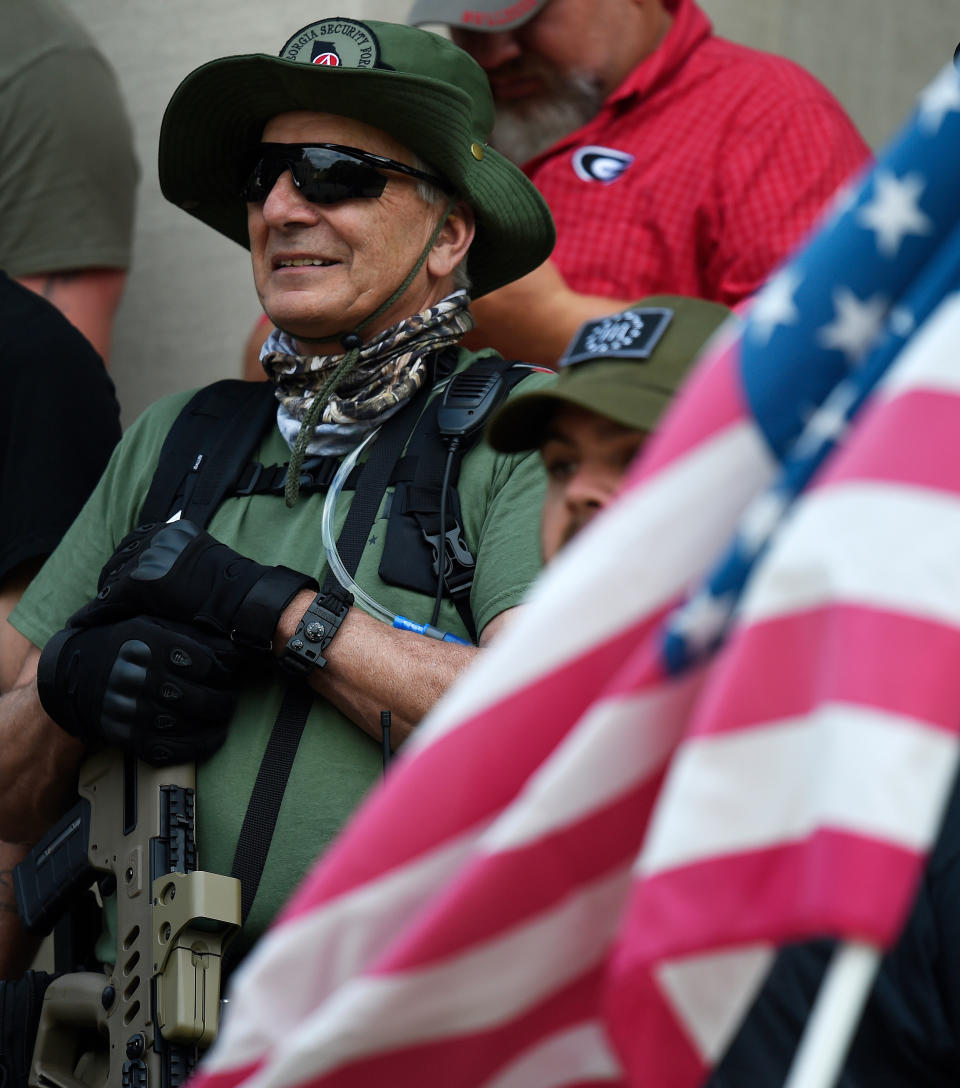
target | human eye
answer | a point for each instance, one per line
(560, 466)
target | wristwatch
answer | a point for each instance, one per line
(321, 621)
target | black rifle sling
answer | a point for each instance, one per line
(263, 808)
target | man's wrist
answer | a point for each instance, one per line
(261, 610)
(305, 649)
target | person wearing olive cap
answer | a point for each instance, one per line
(673, 161)
(355, 167)
(617, 377)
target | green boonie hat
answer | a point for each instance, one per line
(488, 15)
(626, 366)
(414, 85)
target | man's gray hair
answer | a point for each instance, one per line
(434, 195)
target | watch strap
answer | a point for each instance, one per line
(315, 631)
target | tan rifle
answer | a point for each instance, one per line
(142, 1022)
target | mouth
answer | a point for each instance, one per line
(303, 262)
(505, 90)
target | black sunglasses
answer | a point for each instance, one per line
(326, 173)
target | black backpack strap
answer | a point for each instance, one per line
(316, 474)
(206, 449)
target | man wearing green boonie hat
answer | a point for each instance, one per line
(356, 169)
(617, 377)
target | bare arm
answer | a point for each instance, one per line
(13, 646)
(39, 761)
(535, 317)
(17, 948)
(88, 298)
(373, 667)
(37, 758)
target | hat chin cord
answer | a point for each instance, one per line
(352, 343)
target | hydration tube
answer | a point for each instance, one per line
(340, 571)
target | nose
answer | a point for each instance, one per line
(588, 491)
(489, 50)
(286, 204)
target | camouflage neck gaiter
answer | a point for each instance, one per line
(387, 374)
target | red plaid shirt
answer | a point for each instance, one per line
(732, 153)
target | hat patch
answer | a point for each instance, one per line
(334, 43)
(498, 18)
(632, 334)
(603, 164)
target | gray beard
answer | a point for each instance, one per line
(523, 129)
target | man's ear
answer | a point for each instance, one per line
(454, 240)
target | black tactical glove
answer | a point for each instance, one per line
(180, 571)
(145, 684)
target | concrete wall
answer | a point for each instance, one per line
(190, 303)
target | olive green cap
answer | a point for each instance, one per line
(626, 366)
(414, 85)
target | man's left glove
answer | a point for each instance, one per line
(180, 571)
(149, 685)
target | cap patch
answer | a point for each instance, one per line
(604, 164)
(632, 334)
(498, 18)
(334, 43)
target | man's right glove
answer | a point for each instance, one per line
(145, 684)
(180, 571)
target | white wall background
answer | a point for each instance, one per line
(190, 302)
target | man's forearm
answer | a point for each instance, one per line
(372, 667)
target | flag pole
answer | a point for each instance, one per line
(835, 1016)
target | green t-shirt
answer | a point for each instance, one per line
(501, 497)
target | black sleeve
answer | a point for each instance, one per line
(59, 422)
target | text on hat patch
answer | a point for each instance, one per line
(334, 43)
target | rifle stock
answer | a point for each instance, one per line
(142, 1023)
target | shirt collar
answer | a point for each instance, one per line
(690, 27)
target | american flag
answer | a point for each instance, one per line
(725, 718)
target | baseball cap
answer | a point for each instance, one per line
(487, 15)
(626, 366)
(416, 86)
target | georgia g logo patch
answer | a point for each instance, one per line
(603, 164)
